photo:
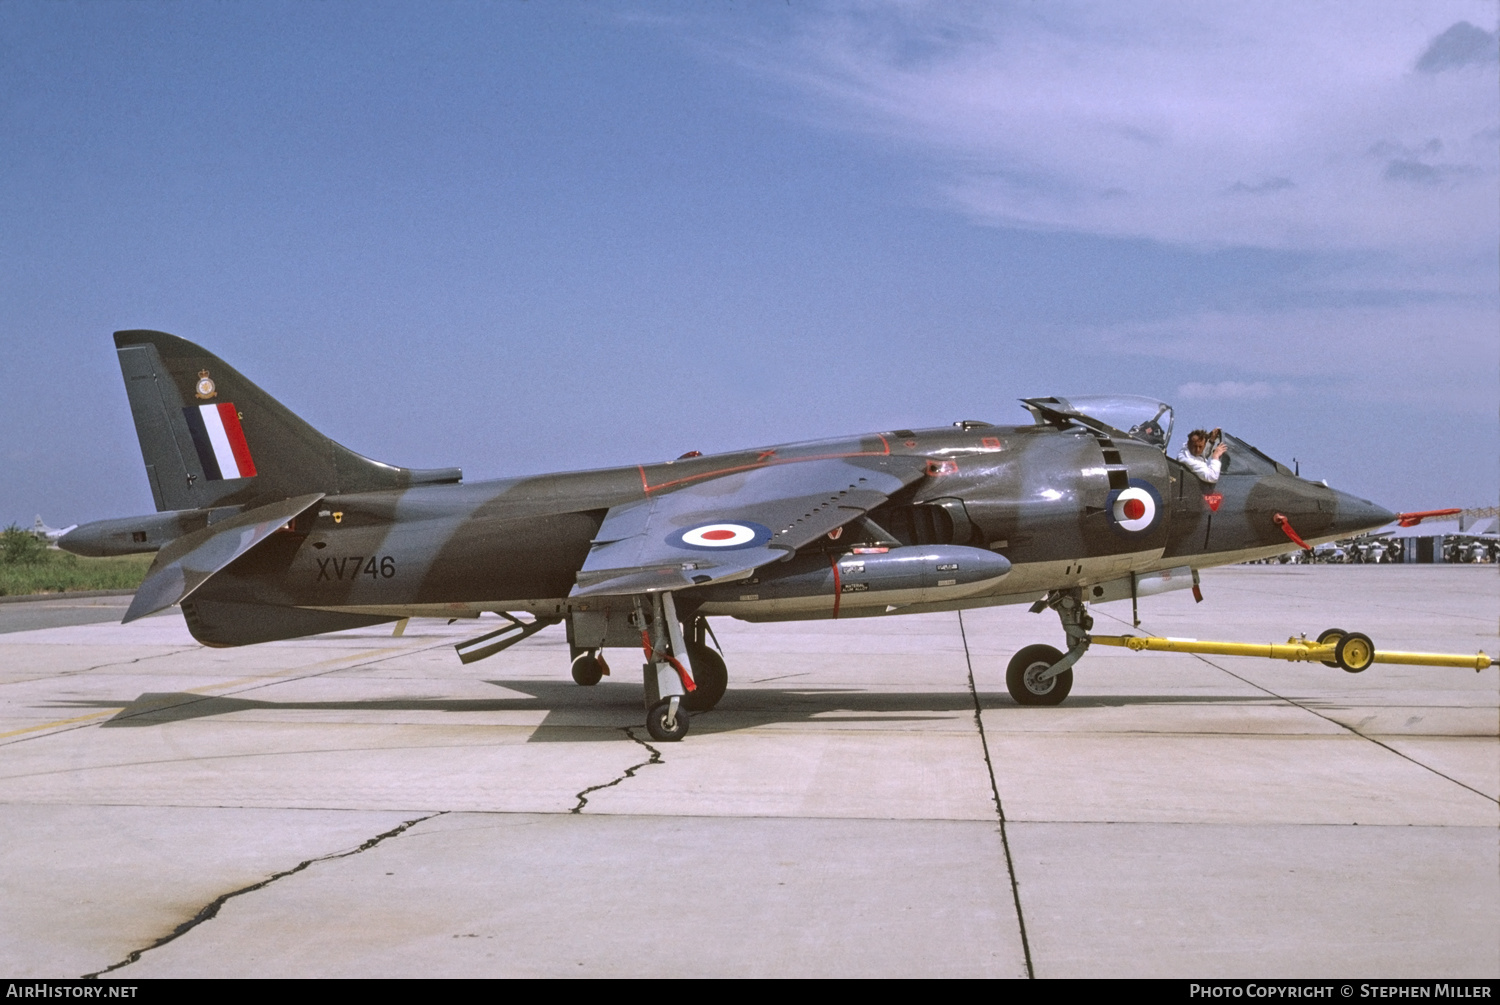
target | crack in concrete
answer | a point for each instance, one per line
(209, 911)
(100, 666)
(785, 676)
(655, 758)
(989, 767)
(68, 725)
(1342, 725)
(71, 724)
(1346, 726)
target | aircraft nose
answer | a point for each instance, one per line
(1352, 515)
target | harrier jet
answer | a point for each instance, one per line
(265, 529)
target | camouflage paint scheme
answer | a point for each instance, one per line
(322, 539)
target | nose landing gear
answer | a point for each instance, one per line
(1040, 675)
(1026, 680)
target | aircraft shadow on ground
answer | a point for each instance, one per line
(599, 713)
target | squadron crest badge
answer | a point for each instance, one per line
(205, 387)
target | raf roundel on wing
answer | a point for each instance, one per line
(721, 536)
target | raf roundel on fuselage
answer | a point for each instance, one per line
(1134, 509)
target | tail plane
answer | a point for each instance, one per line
(210, 437)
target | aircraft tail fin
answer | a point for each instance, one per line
(211, 437)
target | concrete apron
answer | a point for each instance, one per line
(363, 805)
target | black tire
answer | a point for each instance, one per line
(586, 670)
(1020, 677)
(1354, 652)
(1330, 637)
(656, 722)
(711, 676)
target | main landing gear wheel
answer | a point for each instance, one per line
(667, 721)
(1023, 677)
(586, 670)
(711, 676)
(1354, 652)
(1330, 637)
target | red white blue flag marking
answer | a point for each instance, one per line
(220, 441)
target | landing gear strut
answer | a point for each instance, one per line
(682, 674)
(1040, 675)
(667, 681)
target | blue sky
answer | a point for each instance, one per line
(523, 237)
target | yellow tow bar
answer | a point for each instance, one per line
(1351, 651)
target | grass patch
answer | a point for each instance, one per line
(27, 566)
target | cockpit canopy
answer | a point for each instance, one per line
(1133, 415)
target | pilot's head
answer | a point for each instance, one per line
(1196, 441)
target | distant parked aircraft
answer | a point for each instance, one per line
(48, 534)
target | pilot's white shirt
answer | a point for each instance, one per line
(1207, 471)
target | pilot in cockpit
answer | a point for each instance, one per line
(1193, 454)
(1151, 431)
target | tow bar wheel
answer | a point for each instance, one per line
(1023, 677)
(1330, 637)
(1354, 652)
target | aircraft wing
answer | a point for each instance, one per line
(725, 526)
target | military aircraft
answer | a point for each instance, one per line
(266, 529)
(42, 532)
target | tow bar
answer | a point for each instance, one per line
(1351, 651)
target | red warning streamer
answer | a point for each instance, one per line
(682, 674)
(1286, 528)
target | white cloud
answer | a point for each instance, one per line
(1369, 131)
(1444, 351)
(1290, 125)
